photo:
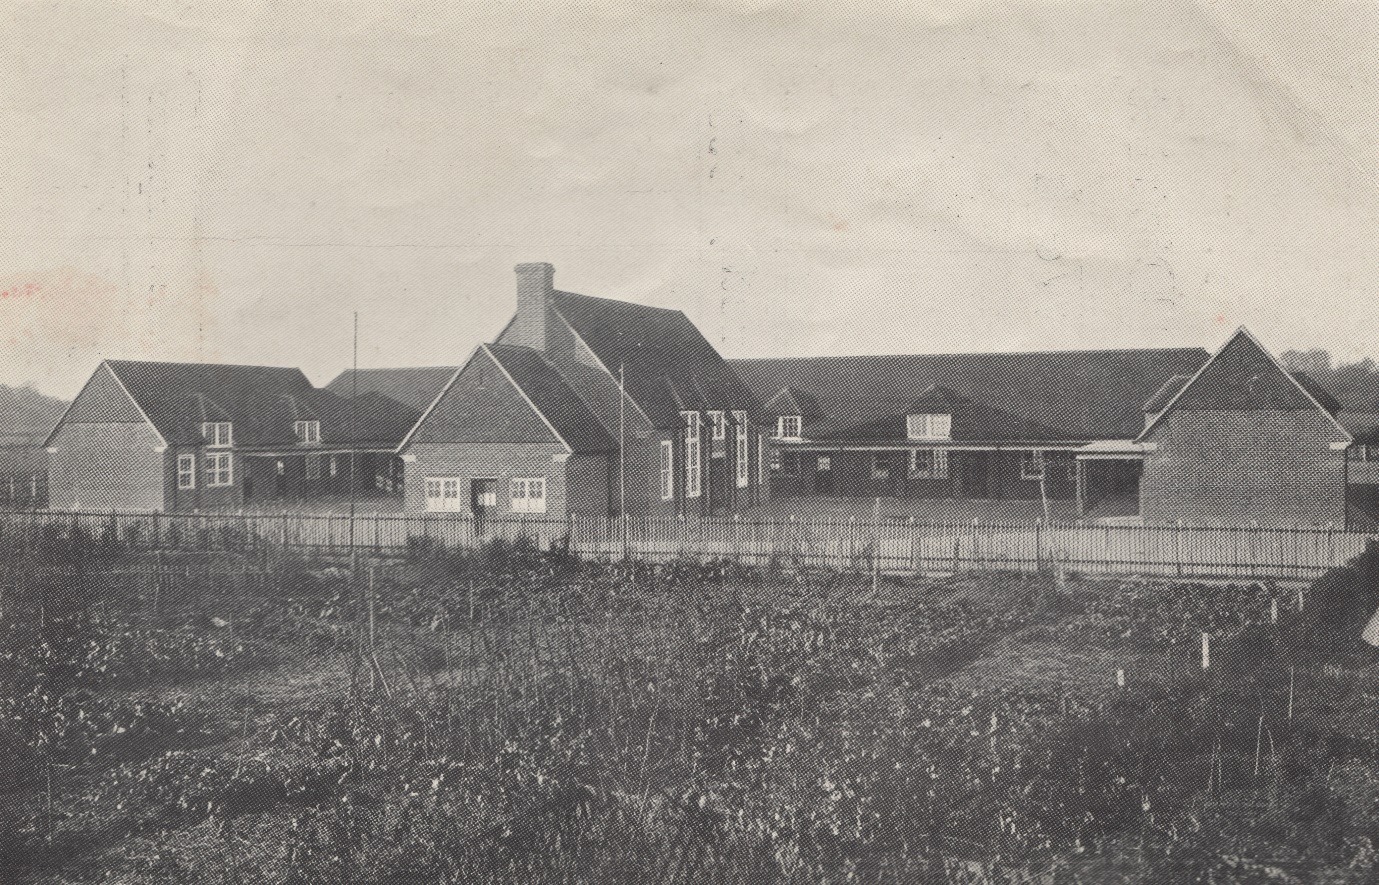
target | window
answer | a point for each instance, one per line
(929, 464)
(220, 469)
(1032, 465)
(741, 454)
(824, 463)
(186, 471)
(720, 425)
(667, 470)
(334, 466)
(308, 432)
(881, 465)
(218, 434)
(693, 464)
(789, 427)
(929, 426)
(761, 459)
(313, 466)
(442, 494)
(529, 495)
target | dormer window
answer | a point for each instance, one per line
(218, 434)
(789, 427)
(308, 432)
(929, 426)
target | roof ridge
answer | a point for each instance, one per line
(855, 356)
(617, 301)
(123, 362)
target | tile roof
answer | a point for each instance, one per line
(261, 401)
(1038, 396)
(416, 386)
(669, 364)
(552, 397)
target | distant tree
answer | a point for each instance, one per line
(1355, 385)
(1313, 362)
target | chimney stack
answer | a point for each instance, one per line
(535, 283)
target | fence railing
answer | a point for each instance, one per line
(886, 546)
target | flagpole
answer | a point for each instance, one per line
(622, 451)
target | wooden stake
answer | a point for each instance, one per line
(1259, 741)
(1292, 678)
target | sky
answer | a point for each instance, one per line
(232, 182)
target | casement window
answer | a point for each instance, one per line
(693, 463)
(313, 466)
(1031, 465)
(741, 454)
(929, 464)
(789, 427)
(218, 434)
(719, 420)
(442, 494)
(929, 426)
(186, 471)
(667, 470)
(220, 469)
(881, 465)
(308, 432)
(529, 495)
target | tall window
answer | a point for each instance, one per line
(529, 495)
(218, 434)
(789, 427)
(693, 464)
(308, 432)
(929, 426)
(761, 459)
(220, 469)
(1031, 465)
(929, 464)
(741, 453)
(442, 494)
(720, 425)
(667, 470)
(186, 471)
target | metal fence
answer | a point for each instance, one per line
(887, 546)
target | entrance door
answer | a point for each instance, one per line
(823, 475)
(483, 496)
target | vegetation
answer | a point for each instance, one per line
(517, 715)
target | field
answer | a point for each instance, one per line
(511, 714)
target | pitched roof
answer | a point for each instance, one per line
(1037, 396)
(667, 361)
(416, 386)
(261, 401)
(793, 401)
(546, 390)
(1243, 376)
(1165, 394)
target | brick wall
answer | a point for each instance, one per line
(500, 461)
(1238, 467)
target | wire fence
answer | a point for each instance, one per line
(883, 546)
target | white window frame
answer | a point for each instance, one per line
(186, 472)
(667, 470)
(761, 459)
(334, 465)
(937, 468)
(220, 470)
(218, 434)
(719, 421)
(789, 427)
(442, 494)
(1032, 465)
(742, 456)
(932, 426)
(694, 466)
(308, 432)
(527, 494)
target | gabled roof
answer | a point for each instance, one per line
(666, 361)
(417, 387)
(1037, 396)
(568, 415)
(1243, 376)
(793, 401)
(262, 402)
(1165, 394)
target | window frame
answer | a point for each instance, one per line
(210, 431)
(718, 421)
(938, 467)
(186, 471)
(795, 421)
(441, 484)
(929, 425)
(1033, 457)
(742, 457)
(694, 465)
(527, 485)
(308, 432)
(220, 470)
(667, 470)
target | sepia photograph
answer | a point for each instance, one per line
(724, 441)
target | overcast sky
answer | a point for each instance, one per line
(230, 182)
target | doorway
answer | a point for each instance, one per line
(823, 475)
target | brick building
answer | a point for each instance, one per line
(148, 436)
(581, 404)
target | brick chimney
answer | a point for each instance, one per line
(535, 283)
